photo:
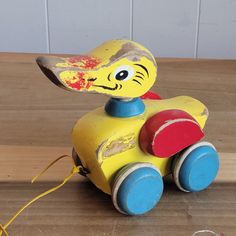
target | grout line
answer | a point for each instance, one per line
(197, 29)
(47, 27)
(131, 20)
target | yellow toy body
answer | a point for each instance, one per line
(126, 147)
(105, 144)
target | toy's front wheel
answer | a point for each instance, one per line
(196, 167)
(137, 188)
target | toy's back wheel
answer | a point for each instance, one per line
(137, 188)
(196, 167)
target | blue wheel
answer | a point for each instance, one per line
(196, 168)
(137, 188)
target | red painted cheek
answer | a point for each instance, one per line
(89, 84)
(87, 62)
(81, 83)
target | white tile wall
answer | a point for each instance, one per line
(217, 29)
(78, 26)
(167, 27)
(22, 26)
(170, 28)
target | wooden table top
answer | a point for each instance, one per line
(36, 120)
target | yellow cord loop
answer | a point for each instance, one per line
(75, 169)
(2, 228)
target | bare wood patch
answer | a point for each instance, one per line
(119, 145)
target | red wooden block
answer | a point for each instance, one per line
(169, 132)
(151, 95)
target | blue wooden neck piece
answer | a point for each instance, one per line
(120, 108)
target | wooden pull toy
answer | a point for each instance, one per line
(126, 147)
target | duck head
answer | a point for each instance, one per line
(119, 68)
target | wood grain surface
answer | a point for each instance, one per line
(36, 120)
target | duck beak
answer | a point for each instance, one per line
(48, 67)
(75, 73)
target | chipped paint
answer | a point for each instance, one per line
(82, 61)
(118, 146)
(132, 52)
(110, 148)
(205, 112)
(79, 81)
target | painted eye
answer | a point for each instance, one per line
(124, 73)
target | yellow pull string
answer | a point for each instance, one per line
(75, 169)
(50, 165)
(3, 230)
